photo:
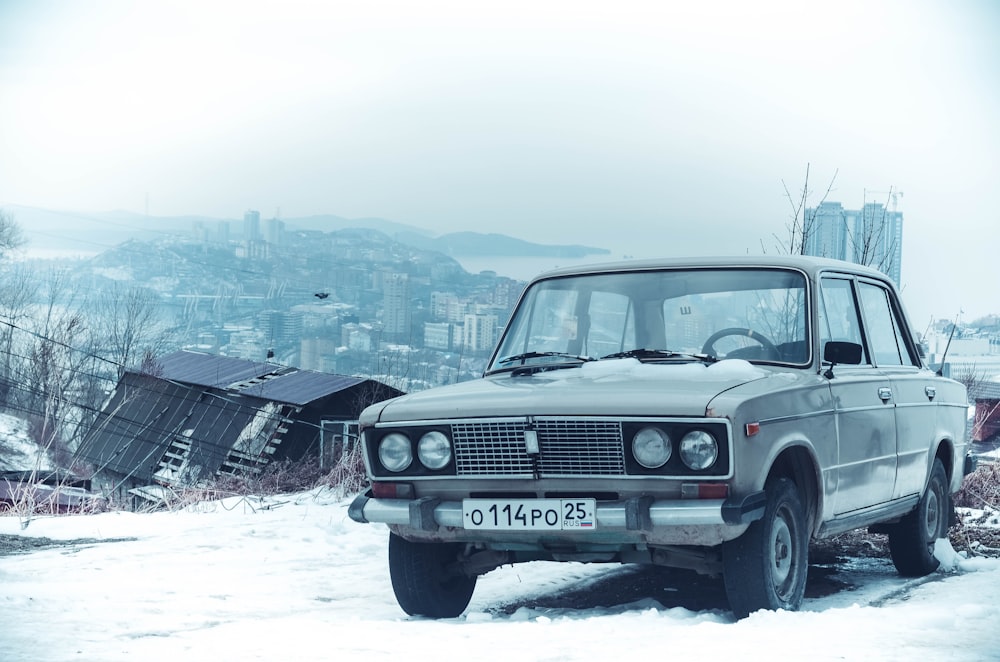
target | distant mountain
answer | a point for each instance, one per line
(477, 244)
(331, 223)
(88, 233)
(92, 233)
(463, 244)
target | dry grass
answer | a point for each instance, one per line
(347, 477)
(981, 489)
(978, 534)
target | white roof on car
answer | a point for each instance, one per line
(808, 264)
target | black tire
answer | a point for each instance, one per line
(911, 540)
(426, 578)
(766, 567)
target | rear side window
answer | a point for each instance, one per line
(884, 330)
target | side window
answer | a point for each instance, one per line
(838, 315)
(884, 332)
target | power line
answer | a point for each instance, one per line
(192, 389)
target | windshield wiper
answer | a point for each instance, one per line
(643, 353)
(538, 355)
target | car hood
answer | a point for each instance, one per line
(624, 387)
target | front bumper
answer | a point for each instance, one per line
(636, 514)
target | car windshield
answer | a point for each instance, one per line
(659, 316)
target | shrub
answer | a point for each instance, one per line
(981, 488)
(278, 477)
(348, 474)
(282, 477)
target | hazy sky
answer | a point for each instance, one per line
(650, 128)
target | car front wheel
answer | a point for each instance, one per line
(766, 567)
(427, 578)
(911, 541)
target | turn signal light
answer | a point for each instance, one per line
(392, 490)
(704, 490)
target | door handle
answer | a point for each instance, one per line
(885, 394)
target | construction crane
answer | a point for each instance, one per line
(892, 193)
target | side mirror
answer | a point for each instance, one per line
(839, 352)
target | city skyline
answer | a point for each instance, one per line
(871, 235)
(650, 129)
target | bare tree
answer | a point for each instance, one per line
(17, 293)
(52, 364)
(54, 371)
(870, 242)
(11, 237)
(802, 223)
(128, 326)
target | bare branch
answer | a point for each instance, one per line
(11, 237)
(802, 224)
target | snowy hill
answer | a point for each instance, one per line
(17, 450)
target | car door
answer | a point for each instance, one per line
(913, 392)
(865, 472)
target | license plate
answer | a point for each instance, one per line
(529, 514)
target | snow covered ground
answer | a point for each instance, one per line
(292, 578)
(17, 451)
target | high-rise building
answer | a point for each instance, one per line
(878, 240)
(871, 235)
(448, 307)
(274, 229)
(480, 332)
(827, 232)
(251, 225)
(439, 335)
(396, 306)
(281, 326)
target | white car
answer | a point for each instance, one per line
(713, 414)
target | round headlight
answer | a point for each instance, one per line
(651, 447)
(395, 452)
(699, 450)
(434, 450)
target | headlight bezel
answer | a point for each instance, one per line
(677, 429)
(418, 466)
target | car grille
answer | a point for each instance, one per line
(567, 447)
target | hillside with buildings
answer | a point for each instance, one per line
(351, 301)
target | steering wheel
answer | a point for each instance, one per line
(764, 341)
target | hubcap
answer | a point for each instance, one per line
(932, 516)
(781, 553)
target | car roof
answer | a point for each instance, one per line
(808, 264)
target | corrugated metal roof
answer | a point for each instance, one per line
(985, 391)
(302, 386)
(146, 414)
(210, 370)
(268, 381)
(186, 420)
